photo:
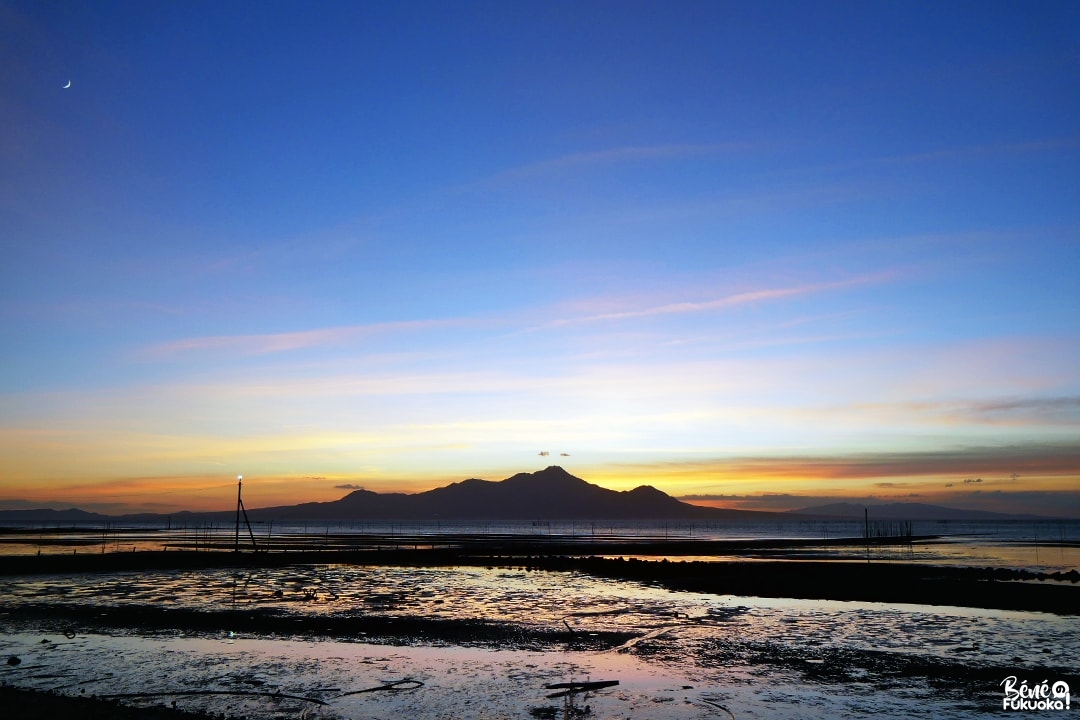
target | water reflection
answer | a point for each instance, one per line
(269, 679)
(1044, 545)
(583, 603)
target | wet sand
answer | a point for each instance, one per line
(682, 637)
(817, 661)
(896, 582)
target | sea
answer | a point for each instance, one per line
(1043, 545)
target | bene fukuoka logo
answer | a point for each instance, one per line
(1040, 696)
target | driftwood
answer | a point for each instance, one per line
(719, 706)
(406, 684)
(571, 688)
(240, 693)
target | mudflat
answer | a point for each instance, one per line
(453, 633)
(869, 581)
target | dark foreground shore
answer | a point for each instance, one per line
(22, 704)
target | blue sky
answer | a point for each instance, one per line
(764, 253)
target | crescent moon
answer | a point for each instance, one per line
(68, 85)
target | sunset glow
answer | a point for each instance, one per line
(757, 257)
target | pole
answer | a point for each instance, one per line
(239, 504)
(866, 531)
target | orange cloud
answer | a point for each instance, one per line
(727, 482)
(172, 494)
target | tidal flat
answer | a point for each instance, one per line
(424, 634)
(445, 642)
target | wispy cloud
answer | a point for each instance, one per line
(945, 154)
(1048, 503)
(1016, 411)
(1048, 145)
(1046, 407)
(999, 461)
(609, 156)
(269, 343)
(266, 343)
(720, 303)
(778, 502)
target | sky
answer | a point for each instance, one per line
(757, 255)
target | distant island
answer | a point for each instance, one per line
(902, 511)
(551, 494)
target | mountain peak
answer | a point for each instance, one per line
(648, 490)
(551, 475)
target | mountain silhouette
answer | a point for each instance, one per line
(71, 516)
(549, 494)
(545, 495)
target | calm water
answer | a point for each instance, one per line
(1044, 545)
